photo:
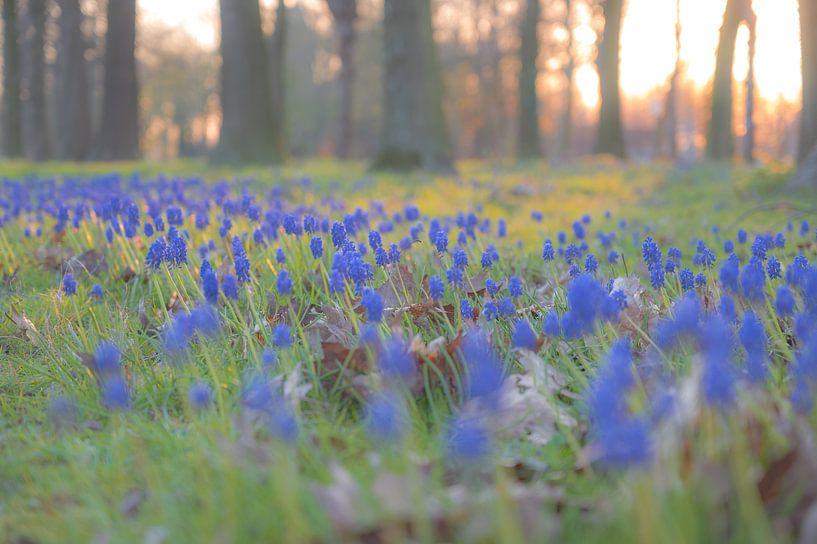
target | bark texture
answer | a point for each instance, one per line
(528, 142)
(808, 48)
(720, 137)
(12, 123)
(414, 132)
(35, 124)
(118, 135)
(248, 132)
(344, 14)
(610, 136)
(73, 117)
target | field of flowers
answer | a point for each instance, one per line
(588, 354)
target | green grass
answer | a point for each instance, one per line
(162, 472)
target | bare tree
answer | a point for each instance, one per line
(73, 118)
(528, 141)
(806, 174)
(749, 138)
(566, 122)
(610, 136)
(118, 135)
(344, 14)
(35, 125)
(414, 128)
(808, 48)
(277, 79)
(12, 127)
(720, 138)
(248, 132)
(668, 137)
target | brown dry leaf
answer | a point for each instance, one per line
(52, 257)
(25, 325)
(127, 275)
(399, 276)
(91, 261)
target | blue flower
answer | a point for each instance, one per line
(283, 283)
(687, 279)
(742, 236)
(551, 324)
(491, 286)
(753, 338)
(460, 258)
(97, 293)
(784, 302)
(386, 418)
(727, 309)
(523, 335)
(338, 235)
(506, 307)
(753, 280)
(375, 240)
(700, 280)
(69, 284)
(436, 287)
(156, 253)
(612, 256)
(729, 273)
(280, 256)
(441, 241)
(107, 360)
(115, 394)
(578, 230)
(547, 251)
(704, 256)
(490, 310)
(200, 395)
(651, 253)
(773, 268)
(281, 336)
(728, 246)
(486, 261)
(515, 286)
(242, 264)
(229, 286)
(657, 277)
(468, 439)
(717, 378)
(454, 276)
(372, 302)
(466, 310)
(759, 247)
(395, 359)
(394, 254)
(590, 263)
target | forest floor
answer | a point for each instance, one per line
(386, 410)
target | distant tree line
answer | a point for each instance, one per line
(93, 112)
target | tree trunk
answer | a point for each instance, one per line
(566, 122)
(277, 78)
(248, 132)
(720, 139)
(414, 129)
(749, 138)
(35, 125)
(670, 133)
(808, 49)
(610, 137)
(344, 13)
(73, 122)
(528, 143)
(12, 127)
(118, 136)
